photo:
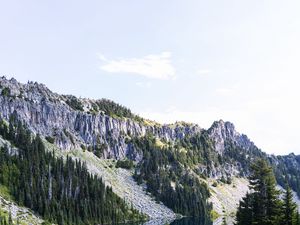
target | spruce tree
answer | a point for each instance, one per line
(297, 219)
(263, 205)
(245, 210)
(289, 208)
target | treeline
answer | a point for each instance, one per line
(263, 205)
(170, 181)
(106, 106)
(61, 191)
(288, 170)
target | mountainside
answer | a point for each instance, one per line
(74, 123)
(181, 164)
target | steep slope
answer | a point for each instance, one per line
(168, 159)
(121, 181)
(8, 206)
(71, 127)
(61, 190)
(18, 213)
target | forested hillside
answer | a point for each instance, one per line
(170, 177)
(263, 205)
(60, 191)
(174, 162)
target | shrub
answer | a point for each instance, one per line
(50, 139)
(125, 164)
(215, 184)
(83, 147)
(5, 91)
(74, 103)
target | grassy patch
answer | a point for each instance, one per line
(4, 192)
(214, 215)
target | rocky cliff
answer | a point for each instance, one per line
(108, 130)
(74, 123)
(53, 116)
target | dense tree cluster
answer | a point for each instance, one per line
(263, 204)
(5, 91)
(286, 171)
(61, 191)
(125, 164)
(286, 168)
(74, 103)
(113, 109)
(170, 180)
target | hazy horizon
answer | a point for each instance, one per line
(192, 61)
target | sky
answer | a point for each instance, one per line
(196, 61)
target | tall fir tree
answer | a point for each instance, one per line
(263, 205)
(297, 220)
(289, 208)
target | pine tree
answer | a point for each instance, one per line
(245, 210)
(289, 207)
(263, 206)
(297, 219)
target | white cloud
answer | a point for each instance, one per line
(151, 66)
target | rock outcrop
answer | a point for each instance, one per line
(50, 115)
(72, 123)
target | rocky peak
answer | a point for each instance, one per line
(224, 132)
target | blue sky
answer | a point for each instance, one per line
(193, 60)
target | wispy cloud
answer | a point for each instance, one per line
(151, 66)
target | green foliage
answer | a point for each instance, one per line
(113, 109)
(61, 191)
(50, 139)
(74, 103)
(263, 205)
(165, 171)
(224, 221)
(290, 212)
(5, 92)
(288, 171)
(4, 191)
(125, 164)
(83, 147)
(215, 184)
(214, 215)
(99, 149)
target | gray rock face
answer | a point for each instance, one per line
(222, 132)
(48, 114)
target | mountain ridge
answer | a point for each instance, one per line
(167, 157)
(39, 93)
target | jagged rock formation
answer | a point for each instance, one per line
(75, 123)
(50, 114)
(223, 132)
